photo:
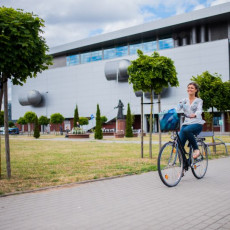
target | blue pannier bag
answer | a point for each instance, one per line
(169, 120)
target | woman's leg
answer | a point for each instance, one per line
(182, 136)
(189, 131)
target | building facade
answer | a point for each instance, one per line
(93, 71)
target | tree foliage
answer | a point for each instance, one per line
(210, 89)
(98, 131)
(103, 119)
(128, 129)
(30, 117)
(76, 117)
(11, 124)
(21, 121)
(153, 72)
(56, 118)
(83, 121)
(43, 120)
(22, 47)
(36, 128)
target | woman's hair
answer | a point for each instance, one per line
(196, 87)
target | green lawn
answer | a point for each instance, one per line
(42, 163)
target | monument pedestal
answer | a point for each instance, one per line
(121, 125)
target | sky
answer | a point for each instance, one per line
(71, 20)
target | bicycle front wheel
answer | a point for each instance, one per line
(200, 165)
(170, 164)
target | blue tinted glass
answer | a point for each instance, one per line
(166, 43)
(121, 51)
(149, 46)
(72, 60)
(85, 57)
(109, 53)
(133, 48)
(96, 55)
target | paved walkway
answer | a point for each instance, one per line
(132, 202)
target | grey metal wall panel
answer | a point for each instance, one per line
(86, 84)
(58, 62)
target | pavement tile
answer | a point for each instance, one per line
(139, 202)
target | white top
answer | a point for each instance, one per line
(195, 108)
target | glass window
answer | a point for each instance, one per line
(166, 43)
(109, 53)
(149, 46)
(133, 48)
(73, 60)
(85, 57)
(121, 51)
(96, 55)
(216, 119)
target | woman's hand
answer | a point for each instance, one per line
(193, 115)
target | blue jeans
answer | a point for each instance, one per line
(187, 132)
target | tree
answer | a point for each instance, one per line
(23, 54)
(209, 86)
(128, 129)
(103, 119)
(36, 128)
(30, 118)
(152, 73)
(83, 121)
(56, 118)
(76, 117)
(21, 121)
(43, 120)
(98, 131)
(222, 102)
(11, 124)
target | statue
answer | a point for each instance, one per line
(120, 110)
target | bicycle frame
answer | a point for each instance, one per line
(183, 152)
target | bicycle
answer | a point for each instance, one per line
(174, 160)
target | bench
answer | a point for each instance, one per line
(217, 141)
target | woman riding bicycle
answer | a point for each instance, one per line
(192, 108)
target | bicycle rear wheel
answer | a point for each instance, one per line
(200, 165)
(170, 164)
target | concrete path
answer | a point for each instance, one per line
(132, 202)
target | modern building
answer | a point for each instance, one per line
(93, 71)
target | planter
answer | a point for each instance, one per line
(85, 135)
(108, 134)
(119, 135)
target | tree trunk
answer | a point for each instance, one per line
(159, 128)
(214, 147)
(1, 95)
(151, 126)
(7, 144)
(142, 139)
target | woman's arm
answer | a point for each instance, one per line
(199, 110)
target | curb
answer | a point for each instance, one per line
(66, 185)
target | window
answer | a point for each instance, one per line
(216, 119)
(109, 53)
(121, 51)
(85, 57)
(73, 60)
(149, 46)
(133, 48)
(166, 43)
(96, 55)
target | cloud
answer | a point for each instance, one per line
(199, 7)
(217, 2)
(71, 20)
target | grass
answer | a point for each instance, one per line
(41, 163)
